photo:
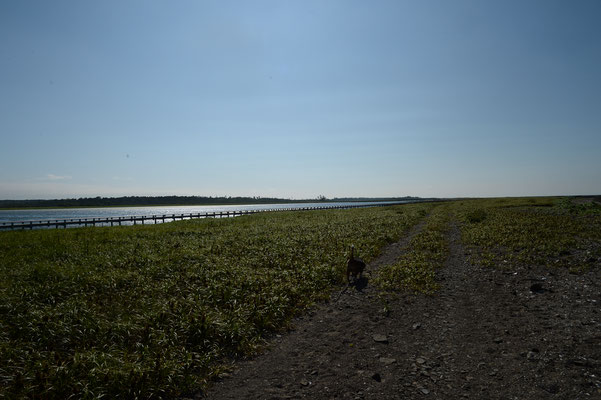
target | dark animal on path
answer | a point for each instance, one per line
(354, 266)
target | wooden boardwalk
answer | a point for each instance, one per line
(155, 219)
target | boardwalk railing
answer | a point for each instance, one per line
(134, 220)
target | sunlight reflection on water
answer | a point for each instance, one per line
(113, 212)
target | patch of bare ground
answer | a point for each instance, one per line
(526, 333)
(587, 199)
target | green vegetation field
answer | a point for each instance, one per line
(553, 232)
(501, 233)
(427, 251)
(153, 311)
(156, 311)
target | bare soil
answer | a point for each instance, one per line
(586, 199)
(521, 333)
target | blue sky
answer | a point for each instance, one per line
(300, 98)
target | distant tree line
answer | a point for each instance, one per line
(171, 200)
(140, 201)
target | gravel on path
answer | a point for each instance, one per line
(526, 333)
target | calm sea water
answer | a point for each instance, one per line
(106, 212)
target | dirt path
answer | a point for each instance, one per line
(486, 333)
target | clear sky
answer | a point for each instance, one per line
(300, 98)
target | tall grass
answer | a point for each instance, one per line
(152, 311)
